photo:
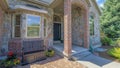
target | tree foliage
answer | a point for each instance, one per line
(110, 19)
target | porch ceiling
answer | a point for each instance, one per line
(58, 7)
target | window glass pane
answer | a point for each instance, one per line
(45, 26)
(17, 20)
(17, 31)
(33, 26)
(17, 26)
(33, 31)
(91, 21)
(33, 20)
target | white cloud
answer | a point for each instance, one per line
(100, 2)
(29, 19)
(101, 5)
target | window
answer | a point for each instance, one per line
(45, 28)
(33, 26)
(91, 21)
(17, 30)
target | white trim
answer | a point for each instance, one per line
(13, 26)
(30, 9)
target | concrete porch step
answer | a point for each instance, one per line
(81, 55)
(77, 50)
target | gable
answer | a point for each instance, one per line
(94, 4)
(97, 7)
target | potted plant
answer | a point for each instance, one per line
(50, 52)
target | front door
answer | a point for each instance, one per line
(57, 31)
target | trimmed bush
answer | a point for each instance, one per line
(118, 43)
(106, 41)
(115, 52)
(50, 53)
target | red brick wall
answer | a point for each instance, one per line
(67, 28)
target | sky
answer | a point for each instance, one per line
(100, 2)
(33, 20)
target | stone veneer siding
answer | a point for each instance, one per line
(9, 19)
(6, 31)
(95, 39)
(1, 29)
(77, 27)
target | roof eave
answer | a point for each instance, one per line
(96, 5)
(4, 5)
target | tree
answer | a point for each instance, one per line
(110, 19)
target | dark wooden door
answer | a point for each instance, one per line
(57, 31)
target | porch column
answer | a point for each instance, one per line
(86, 29)
(67, 28)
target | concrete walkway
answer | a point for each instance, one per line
(93, 61)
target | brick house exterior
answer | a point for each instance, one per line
(71, 16)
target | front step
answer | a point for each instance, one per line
(81, 55)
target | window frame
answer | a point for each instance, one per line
(27, 25)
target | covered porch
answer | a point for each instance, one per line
(72, 28)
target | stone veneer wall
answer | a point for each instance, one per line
(1, 27)
(77, 27)
(6, 32)
(96, 37)
(6, 27)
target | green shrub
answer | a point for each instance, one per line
(118, 43)
(50, 53)
(106, 41)
(115, 52)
